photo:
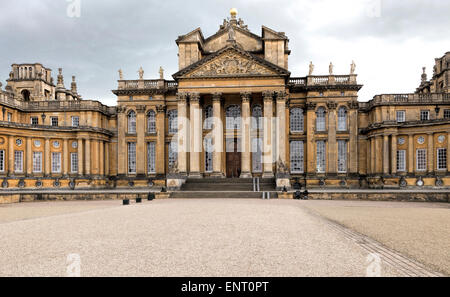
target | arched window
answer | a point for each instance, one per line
(151, 122)
(342, 119)
(296, 120)
(257, 118)
(26, 95)
(132, 122)
(233, 119)
(320, 119)
(173, 121)
(208, 118)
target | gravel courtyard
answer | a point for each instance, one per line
(198, 237)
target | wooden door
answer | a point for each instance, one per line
(233, 161)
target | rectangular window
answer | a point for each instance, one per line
(321, 156)
(173, 153)
(75, 121)
(34, 121)
(56, 162)
(401, 160)
(342, 156)
(74, 162)
(9, 117)
(257, 154)
(18, 161)
(447, 114)
(151, 157)
(54, 121)
(424, 115)
(2, 160)
(441, 158)
(296, 153)
(421, 159)
(208, 155)
(401, 116)
(37, 162)
(131, 157)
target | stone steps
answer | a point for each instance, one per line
(220, 194)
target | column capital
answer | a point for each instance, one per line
(331, 105)
(161, 108)
(140, 108)
(311, 105)
(121, 109)
(181, 97)
(353, 104)
(194, 97)
(281, 95)
(217, 96)
(268, 95)
(246, 96)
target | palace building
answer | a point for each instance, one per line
(233, 110)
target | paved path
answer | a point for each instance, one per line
(180, 238)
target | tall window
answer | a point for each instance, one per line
(320, 119)
(18, 161)
(296, 120)
(233, 117)
(75, 121)
(54, 121)
(56, 162)
(342, 119)
(401, 116)
(447, 114)
(132, 122)
(208, 155)
(2, 160)
(401, 160)
(9, 117)
(74, 162)
(342, 156)
(151, 122)
(131, 157)
(257, 154)
(173, 153)
(151, 157)
(424, 115)
(37, 162)
(257, 118)
(208, 117)
(321, 156)
(441, 158)
(421, 159)
(173, 121)
(296, 153)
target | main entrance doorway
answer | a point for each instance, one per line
(233, 158)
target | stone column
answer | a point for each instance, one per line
(217, 135)
(11, 155)
(47, 157)
(281, 127)
(121, 145)
(411, 153)
(267, 143)
(368, 156)
(373, 152)
(106, 158)
(309, 147)
(101, 158)
(88, 156)
(353, 137)
(448, 152)
(183, 131)
(332, 146)
(430, 153)
(80, 157)
(386, 154)
(65, 157)
(394, 154)
(161, 139)
(140, 143)
(29, 164)
(196, 132)
(245, 136)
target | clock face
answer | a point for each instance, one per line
(74, 144)
(420, 183)
(401, 140)
(421, 140)
(56, 144)
(441, 138)
(18, 142)
(37, 143)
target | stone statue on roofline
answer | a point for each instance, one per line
(161, 73)
(141, 73)
(120, 74)
(311, 68)
(352, 67)
(330, 68)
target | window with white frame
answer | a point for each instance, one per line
(209, 118)
(75, 121)
(18, 161)
(9, 117)
(2, 160)
(257, 155)
(320, 119)
(447, 114)
(401, 116)
(54, 121)
(296, 154)
(233, 117)
(34, 121)
(56, 162)
(173, 153)
(401, 160)
(424, 115)
(151, 157)
(208, 154)
(342, 119)
(132, 122)
(342, 156)
(421, 159)
(151, 122)
(131, 157)
(74, 162)
(37, 162)
(296, 120)
(173, 121)
(257, 118)
(321, 156)
(441, 158)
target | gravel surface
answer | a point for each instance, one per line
(220, 237)
(419, 230)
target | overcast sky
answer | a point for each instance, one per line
(390, 40)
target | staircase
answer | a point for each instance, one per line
(226, 188)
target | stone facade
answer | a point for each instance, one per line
(232, 110)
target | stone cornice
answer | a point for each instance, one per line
(55, 129)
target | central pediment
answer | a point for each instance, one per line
(231, 61)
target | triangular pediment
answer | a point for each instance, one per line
(231, 62)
